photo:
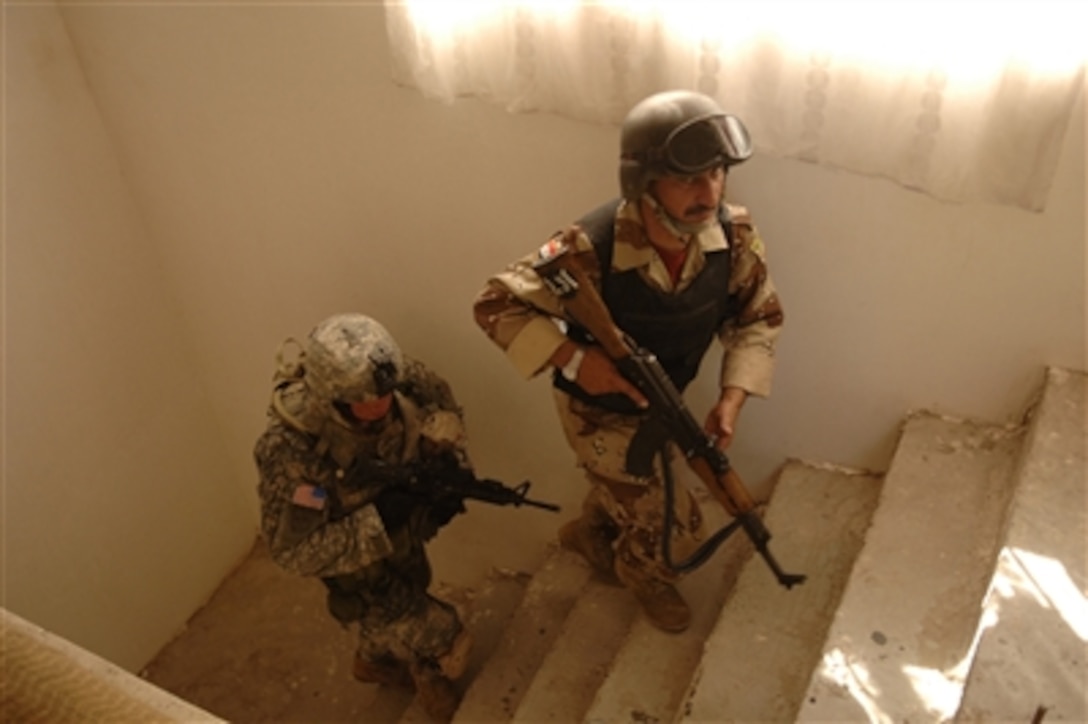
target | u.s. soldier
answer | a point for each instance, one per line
(347, 405)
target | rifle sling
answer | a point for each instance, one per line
(707, 549)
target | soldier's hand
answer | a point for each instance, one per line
(437, 514)
(395, 506)
(598, 375)
(721, 421)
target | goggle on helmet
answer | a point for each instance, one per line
(702, 143)
(678, 132)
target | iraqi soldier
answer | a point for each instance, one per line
(676, 266)
(349, 413)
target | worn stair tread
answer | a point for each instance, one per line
(653, 669)
(243, 624)
(907, 620)
(1032, 652)
(496, 692)
(567, 680)
(767, 639)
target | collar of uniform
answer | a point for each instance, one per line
(633, 249)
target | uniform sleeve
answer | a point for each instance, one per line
(518, 313)
(295, 518)
(749, 338)
(443, 426)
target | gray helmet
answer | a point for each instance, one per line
(351, 358)
(678, 132)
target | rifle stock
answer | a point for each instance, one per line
(563, 274)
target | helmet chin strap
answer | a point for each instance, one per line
(680, 229)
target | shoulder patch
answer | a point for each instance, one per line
(739, 214)
(551, 248)
(309, 496)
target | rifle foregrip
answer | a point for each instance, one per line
(753, 526)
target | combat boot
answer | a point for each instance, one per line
(592, 539)
(384, 670)
(436, 694)
(454, 662)
(660, 600)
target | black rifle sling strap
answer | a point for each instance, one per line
(650, 441)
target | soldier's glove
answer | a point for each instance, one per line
(438, 513)
(395, 506)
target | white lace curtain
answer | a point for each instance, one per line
(966, 101)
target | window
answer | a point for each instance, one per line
(962, 100)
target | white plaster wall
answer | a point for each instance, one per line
(121, 513)
(288, 179)
(281, 177)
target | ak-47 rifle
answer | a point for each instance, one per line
(565, 277)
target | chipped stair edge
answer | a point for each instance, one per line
(763, 647)
(579, 659)
(908, 614)
(1032, 658)
(653, 669)
(496, 692)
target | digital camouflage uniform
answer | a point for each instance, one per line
(517, 312)
(317, 524)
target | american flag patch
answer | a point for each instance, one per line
(309, 496)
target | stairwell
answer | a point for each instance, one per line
(951, 588)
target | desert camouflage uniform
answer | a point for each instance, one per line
(375, 578)
(517, 312)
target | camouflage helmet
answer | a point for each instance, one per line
(677, 132)
(351, 358)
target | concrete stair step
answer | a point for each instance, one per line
(652, 670)
(579, 660)
(767, 640)
(904, 631)
(264, 648)
(605, 662)
(496, 692)
(1032, 658)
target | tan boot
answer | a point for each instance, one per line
(436, 694)
(454, 662)
(385, 670)
(660, 600)
(594, 544)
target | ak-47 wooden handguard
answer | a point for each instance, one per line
(560, 269)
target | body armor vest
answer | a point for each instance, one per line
(677, 327)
